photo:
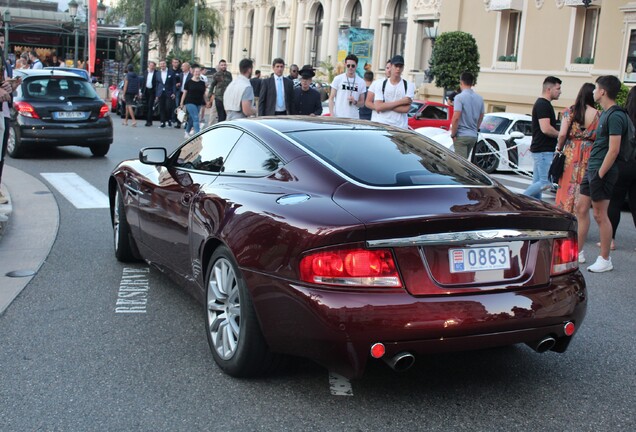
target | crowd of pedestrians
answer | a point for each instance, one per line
(594, 177)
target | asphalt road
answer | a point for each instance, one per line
(69, 362)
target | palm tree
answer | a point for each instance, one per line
(163, 15)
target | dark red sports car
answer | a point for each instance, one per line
(345, 242)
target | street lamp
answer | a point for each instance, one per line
(178, 31)
(432, 32)
(194, 30)
(312, 54)
(7, 20)
(244, 52)
(212, 51)
(101, 12)
(143, 29)
(72, 11)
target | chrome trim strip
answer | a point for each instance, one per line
(468, 237)
(132, 189)
(366, 186)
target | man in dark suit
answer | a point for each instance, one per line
(164, 92)
(277, 92)
(148, 87)
(175, 68)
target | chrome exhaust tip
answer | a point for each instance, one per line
(401, 362)
(543, 345)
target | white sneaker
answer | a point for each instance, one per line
(3, 198)
(601, 265)
(186, 135)
(191, 132)
(581, 257)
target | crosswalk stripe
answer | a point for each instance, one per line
(78, 191)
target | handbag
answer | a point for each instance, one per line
(182, 115)
(556, 167)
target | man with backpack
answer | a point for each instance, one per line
(392, 98)
(602, 171)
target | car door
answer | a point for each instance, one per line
(164, 213)
(431, 116)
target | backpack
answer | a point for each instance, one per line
(384, 86)
(627, 152)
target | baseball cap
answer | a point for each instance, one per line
(397, 60)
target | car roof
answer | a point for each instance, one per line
(426, 102)
(511, 116)
(46, 72)
(287, 124)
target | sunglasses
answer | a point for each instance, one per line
(351, 66)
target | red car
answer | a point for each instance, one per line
(346, 242)
(430, 114)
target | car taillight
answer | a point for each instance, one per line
(26, 109)
(351, 267)
(565, 255)
(103, 111)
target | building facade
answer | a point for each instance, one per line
(520, 41)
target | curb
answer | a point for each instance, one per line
(33, 219)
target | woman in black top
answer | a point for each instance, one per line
(130, 91)
(193, 98)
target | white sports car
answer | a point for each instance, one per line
(503, 144)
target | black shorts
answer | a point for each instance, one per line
(130, 98)
(599, 189)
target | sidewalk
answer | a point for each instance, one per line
(28, 228)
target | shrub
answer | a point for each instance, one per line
(453, 53)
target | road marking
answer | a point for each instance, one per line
(78, 191)
(132, 296)
(339, 385)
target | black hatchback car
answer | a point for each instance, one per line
(58, 108)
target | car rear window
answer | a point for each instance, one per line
(54, 88)
(494, 125)
(384, 158)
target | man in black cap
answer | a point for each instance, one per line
(306, 98)
(392, 97)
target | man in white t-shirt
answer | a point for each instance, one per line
(392, 96)
(347, 91)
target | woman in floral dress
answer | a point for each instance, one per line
(577, 134)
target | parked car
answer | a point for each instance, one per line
(57, 108)
(81, 72)
(430, 114)
(346, 242)
(503, 143)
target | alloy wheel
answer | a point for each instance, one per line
(224, 309)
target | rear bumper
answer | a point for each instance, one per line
(337, 328)
(80, 134)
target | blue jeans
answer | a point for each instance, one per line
(193, 118)
(542, 162)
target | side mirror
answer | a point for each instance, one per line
(153, 155)
(516, 135)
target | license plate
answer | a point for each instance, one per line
(69, 115)
(479, 259)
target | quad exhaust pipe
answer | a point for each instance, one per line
(400, 362)
(543, 345)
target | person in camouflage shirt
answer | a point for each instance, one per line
(220, 80)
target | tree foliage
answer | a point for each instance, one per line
(164, 13)
(453, 53)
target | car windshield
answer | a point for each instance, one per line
(385, 158)
(57, 88)
(494, 125)
(414, 107)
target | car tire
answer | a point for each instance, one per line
(483, 158)
(125, 249)
(232, 328)
(100, 150)
(15, 148)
